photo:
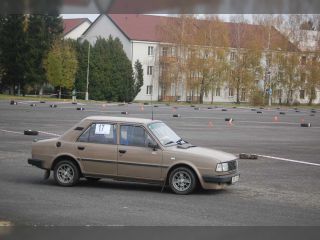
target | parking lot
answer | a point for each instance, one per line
(280, 188)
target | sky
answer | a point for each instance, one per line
(92, 17)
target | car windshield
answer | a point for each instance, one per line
(165, 134)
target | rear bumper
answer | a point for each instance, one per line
(36, 162)
(220, 179)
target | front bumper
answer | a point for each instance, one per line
(36, 162)
(220, 179)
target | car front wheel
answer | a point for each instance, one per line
(182, 180)
(66, 173)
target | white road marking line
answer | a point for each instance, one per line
(53, 134)
(11, 131)
(290, 160)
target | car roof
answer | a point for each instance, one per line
(120, 119)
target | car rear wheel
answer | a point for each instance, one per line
(182, 180)
(66, 173)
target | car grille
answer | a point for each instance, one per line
(232, 165)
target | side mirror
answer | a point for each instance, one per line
(154, 146)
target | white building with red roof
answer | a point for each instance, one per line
(75, 27)
(141, 41)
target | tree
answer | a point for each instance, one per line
(13, 49)
(111, 73)
(81, 76)
(247, 53)
(61, 65)
(138, 77)
(195, 57)
(213, 37)
(41, 32)
(312, 76)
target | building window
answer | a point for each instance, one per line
(243, 94)
(164, 51)
(173, 51)
(268, 60)
(314, 60)
(303, 77)
(302, 94)
(173, 89)
(218, 92)
(149, 89)
(303, 60)
(150, 50)
(149, 70)
(232, 56)
(230, 92)
(291, 94)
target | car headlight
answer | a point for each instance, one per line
(222, 167)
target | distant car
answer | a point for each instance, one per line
(132, 149)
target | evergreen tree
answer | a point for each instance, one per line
(13, 49)
(42, 30)
(111, 73)
(81, 76)
(138, 77)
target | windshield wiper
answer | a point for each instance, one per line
(169, 142)
(181, 140)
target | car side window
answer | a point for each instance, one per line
(103, 133)
(134, 136)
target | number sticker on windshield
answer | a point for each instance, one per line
(102, 129)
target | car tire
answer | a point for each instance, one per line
(182, 180)
(92, 179)
(66, 173)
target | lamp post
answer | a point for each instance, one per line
(88, 66)
(88, 71)
(270, 89)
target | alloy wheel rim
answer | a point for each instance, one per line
(181, 181)
(65, 173)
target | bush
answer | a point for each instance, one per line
(257, 98)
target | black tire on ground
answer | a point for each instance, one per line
(31, 132)
(92, 179)
(68, 178)
(186, 173)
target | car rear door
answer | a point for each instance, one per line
(98, 149)
(135, 158)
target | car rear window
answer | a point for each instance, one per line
(103, 133)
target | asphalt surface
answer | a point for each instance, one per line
(271, 192)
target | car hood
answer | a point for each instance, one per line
(202, 152)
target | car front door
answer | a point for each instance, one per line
(136, 159)
(98, 149)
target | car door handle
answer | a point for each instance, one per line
(122, 151)
(81, 148)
